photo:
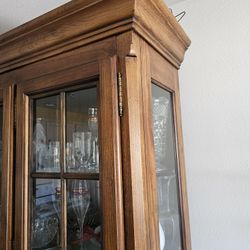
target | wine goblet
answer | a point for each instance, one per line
(80, 200)
(82, 149)
(54, 156)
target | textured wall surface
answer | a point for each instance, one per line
(215, 96)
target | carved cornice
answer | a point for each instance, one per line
(80, 22)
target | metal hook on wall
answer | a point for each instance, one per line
(179, 16)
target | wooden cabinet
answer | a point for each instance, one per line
(92, 153)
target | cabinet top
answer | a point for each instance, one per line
(83, 21)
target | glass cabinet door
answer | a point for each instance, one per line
(166, 169)
(64, 170)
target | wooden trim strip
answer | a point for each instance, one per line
(47, 19)
(186, 235)
(7, 189)
(62, 165)
(72, 25)
(110, 153)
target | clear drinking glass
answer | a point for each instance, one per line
(82, 150)
(80, 200)
(93, 127)
(70, 159)
(54, 156)
(93, 121)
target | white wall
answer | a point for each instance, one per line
(17, 12)
(215, 97)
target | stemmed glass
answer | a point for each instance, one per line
(80, 200)
(54, 156)
(82, 149)
(56, 197)
(93, 128)
(70, 158)
(164, 183)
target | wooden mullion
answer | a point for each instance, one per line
(79, 85)
(31, 116)
(46, 175)
(63, 181)
(81, 176)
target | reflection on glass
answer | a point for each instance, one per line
(82, 150)
(84, 221)
(1, 155)
(166, 168)
(45, 214)
(46, 145)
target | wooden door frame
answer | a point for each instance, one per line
(103, 67)
(7, 188)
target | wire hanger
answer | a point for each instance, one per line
(179, 16)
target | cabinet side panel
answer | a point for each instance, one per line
(166, 76)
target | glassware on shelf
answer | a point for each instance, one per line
(80, 200)
(93, 127)
(162, 237)
(94, 159)
(160, 119)
(54, 156)
(56, 197)
(40, 148)
(82, 150)
(93, 121)
(90, 237)
(170, 225)
(164, 194)
(166, 168)
(70, 159)
(44, 231)
(44, 216)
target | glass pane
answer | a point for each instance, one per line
(166, 168)
(84, 218)
(46, 134)
(45, 214)
(1, 155)
(82, 151)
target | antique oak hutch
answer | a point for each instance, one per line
(92, 153)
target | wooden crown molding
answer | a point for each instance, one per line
(83, 21)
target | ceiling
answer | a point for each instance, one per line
(15, 12)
